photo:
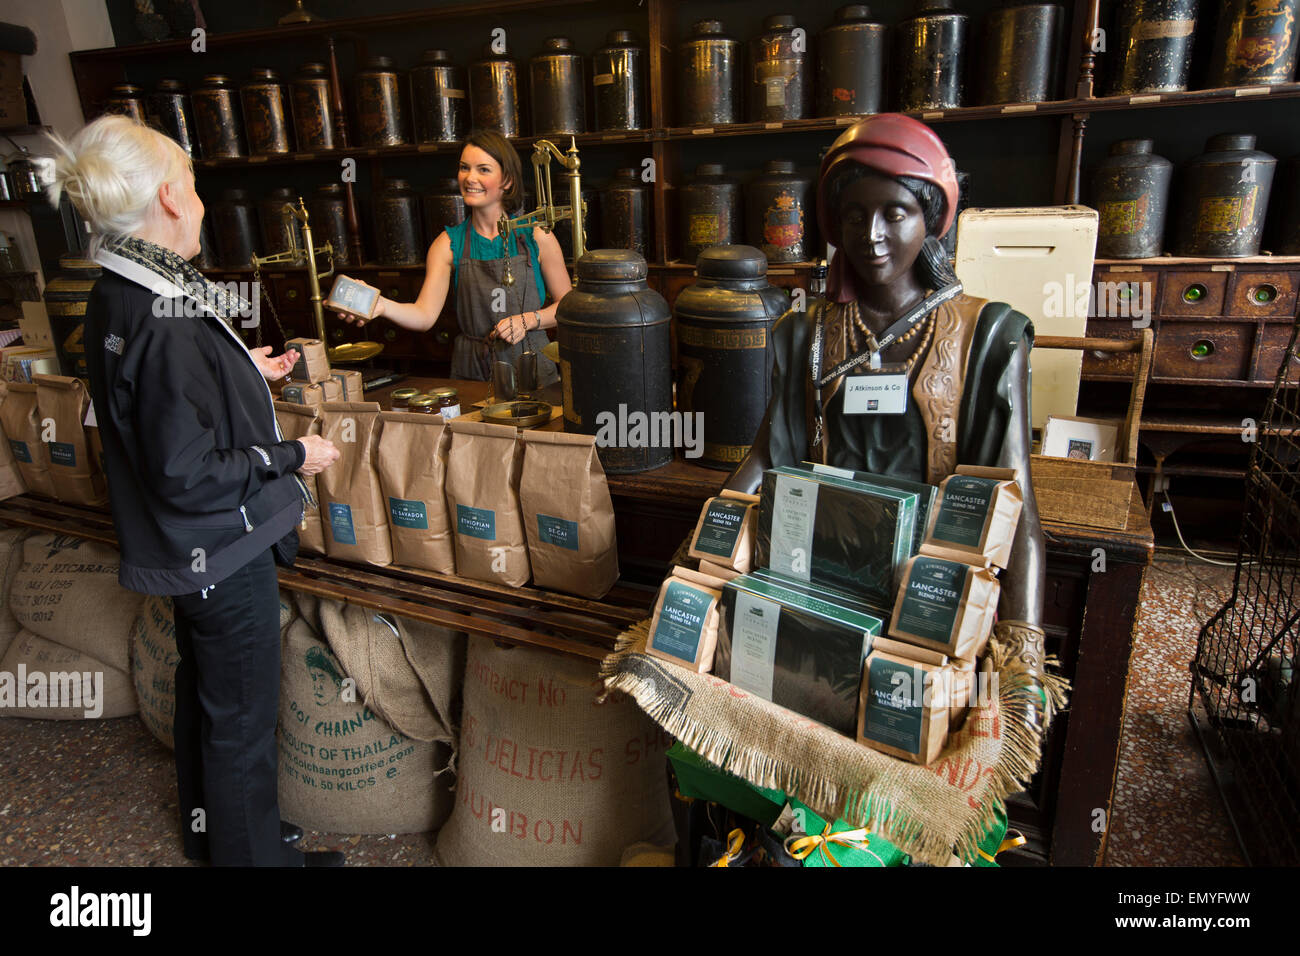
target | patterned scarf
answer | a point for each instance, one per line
(168, 265)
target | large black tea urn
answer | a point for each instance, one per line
(711, 211)
(439, 103)
(381, 118)
(724, 364)
(313, 107)
(1150, 50)
(266, 113)
(1020, 53)
(929, 57)
(1131, 191)
(615, 362)
(709, 65)
(558, 92)
(234, 223)
(850, 64)
(1255, 42)
(66, 296)
(398, 240)
(216, 118)
(625, 213)
(494, 93)
(780, 82)
(779, 212)
(1222, 197)
(168, 110)
(443, 206)
(327, 210)
(618, 82)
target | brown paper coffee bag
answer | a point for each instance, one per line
(22, 426)
(483, 471)
(568, 514)
(299, 421)
(61, 403)
(352, 504)
(412, 463)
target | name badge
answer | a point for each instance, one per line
(875, 394)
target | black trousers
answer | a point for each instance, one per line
(227, 703)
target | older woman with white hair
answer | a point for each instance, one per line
(205, 492)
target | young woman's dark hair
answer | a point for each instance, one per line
(499, 148)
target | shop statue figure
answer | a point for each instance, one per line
(886, 194)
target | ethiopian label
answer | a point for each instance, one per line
(705, 229)
(894, 710)
(932, 599)
(722, 523)
(681, 621)
(63, 453)
(794, 507)
(19, 448)
(964, 510)
(557, 531)
(783, 222)
(753, 643)
(1123, 217)
(341, 524)
(476, 522)
(408, 514)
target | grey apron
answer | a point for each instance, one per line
(476, 281)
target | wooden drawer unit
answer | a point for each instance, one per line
(290, 291)
(1114, 365)
(1264, 294)
(1193, 292)
(1273, 340)
(1216, 350)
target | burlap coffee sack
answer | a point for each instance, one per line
(22, 428)
(372, 647)
(61, 403)
(66, 591)
(11, 558)
(344, 769)
(412, 461)
(61, 667)
(548, 775)
(928, 812)
(299, 421)
(153, 668)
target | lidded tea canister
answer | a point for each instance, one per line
(1131, 192)
(557, 88)
(266, 114)
(780, 82)
(494, 93)
(850, 64)
(615, 360)
(1153, 52)
(439, 99)
(397, 224)
(929, 57)
(724, 364)
(313, 107)
(625, 213)
(1255, 42)
(280, 230)
(66, 296)
(779, 212)
(126, 99)
(443, 206)
(168, 110)
(709, 77)
(618, 71)
(234, 225)
(327, 210)
(711, 212)
(1019, 64)
(381, 120)
(216, 118)
(1222, 197)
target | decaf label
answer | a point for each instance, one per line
(753, 643)
(476, 522)
(681, 621)
(964, 510)
(932, 599)
(557, 531)
(722, 524)
(63, 453)
(341, 524)
(794, 508)
(408, 514)
(19, 448)
(894, 708)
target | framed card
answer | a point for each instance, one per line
(1085, 439)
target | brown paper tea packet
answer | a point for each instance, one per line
(483, 471)
(313, 393)
(61, 404)
(351, 382)
(351, 500)
(975, 515)
(22, 426)
(568, 514)
(299, 421)
(724, 535)
(904, 701)
(412, 463)
(945, 605)
(353, 297)
(684, 629)
(718, 571)
(313, 363)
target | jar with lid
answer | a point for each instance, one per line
(448, 402)
(929, 53)
(780, 87)
(618, 72)
(494, 93)
(424, 404)
(443, 206)
(279, 227)
(126, 99)
(168, 110)
(1154, 52)
(66, 296)
(216, 118)
(558, 92)
(401, 397)
(709, 76)
(625, 213)
(266, 115)
(397, 224)
(329, 221)
(234, 223)
(439, 104)
(1256, 42)
(381, 120)
(711, 211)
(1019, 64)
(779, 212)
(850, 64)
(313, 107)
(1222, 198)
(1131, 194)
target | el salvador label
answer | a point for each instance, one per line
(408, 514)
(794, 508)
(681, 619)
(722, 524)
(19, 448)
(753, 643)
(875, 395)
(557, 531)
(964, 509)
(63, 453)
(341, 524)
(932, 598)
(476, 522)
(895, 694)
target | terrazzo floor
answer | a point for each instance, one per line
(97, 793)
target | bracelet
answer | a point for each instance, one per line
(538, 319)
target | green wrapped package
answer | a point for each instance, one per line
(925, 494)
(870, 849)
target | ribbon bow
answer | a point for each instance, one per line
(802, 847)
(735, 845)
(1010, 843)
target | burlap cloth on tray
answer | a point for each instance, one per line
(928, 812)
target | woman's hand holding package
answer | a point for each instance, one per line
(321, 453)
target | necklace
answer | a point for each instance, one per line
(858, 325)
